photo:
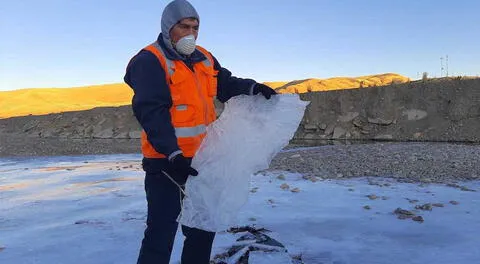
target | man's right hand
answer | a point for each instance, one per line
(266, 91)
(182, 169)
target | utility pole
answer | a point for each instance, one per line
(447, 65)
(441, 66)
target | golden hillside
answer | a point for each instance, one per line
(275, 85)
(339, 83)
(55, 100)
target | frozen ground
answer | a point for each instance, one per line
(91, 209)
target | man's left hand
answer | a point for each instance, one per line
(264, 90)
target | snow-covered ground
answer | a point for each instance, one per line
(92, 209)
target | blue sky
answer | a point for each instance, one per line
(65, 43)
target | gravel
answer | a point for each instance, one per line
(406, 162)
(20, 146)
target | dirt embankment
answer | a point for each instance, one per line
(434, 110)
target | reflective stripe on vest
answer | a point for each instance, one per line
(170, 64)
(190, 131)
(207, 62)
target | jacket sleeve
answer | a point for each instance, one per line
(152, 101)
(229, 86)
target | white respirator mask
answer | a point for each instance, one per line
(186, 45)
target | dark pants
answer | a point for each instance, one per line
(163, 198)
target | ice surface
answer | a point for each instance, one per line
(257, 257)
(92, 209)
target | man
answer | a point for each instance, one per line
(174, 83)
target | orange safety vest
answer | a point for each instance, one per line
(192, 94)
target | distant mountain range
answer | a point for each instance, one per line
(42, 101)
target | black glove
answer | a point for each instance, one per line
(264, 90)
(182, 169)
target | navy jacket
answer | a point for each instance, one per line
(152, 101)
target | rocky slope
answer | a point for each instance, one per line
(432, 110)
(435, 110)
